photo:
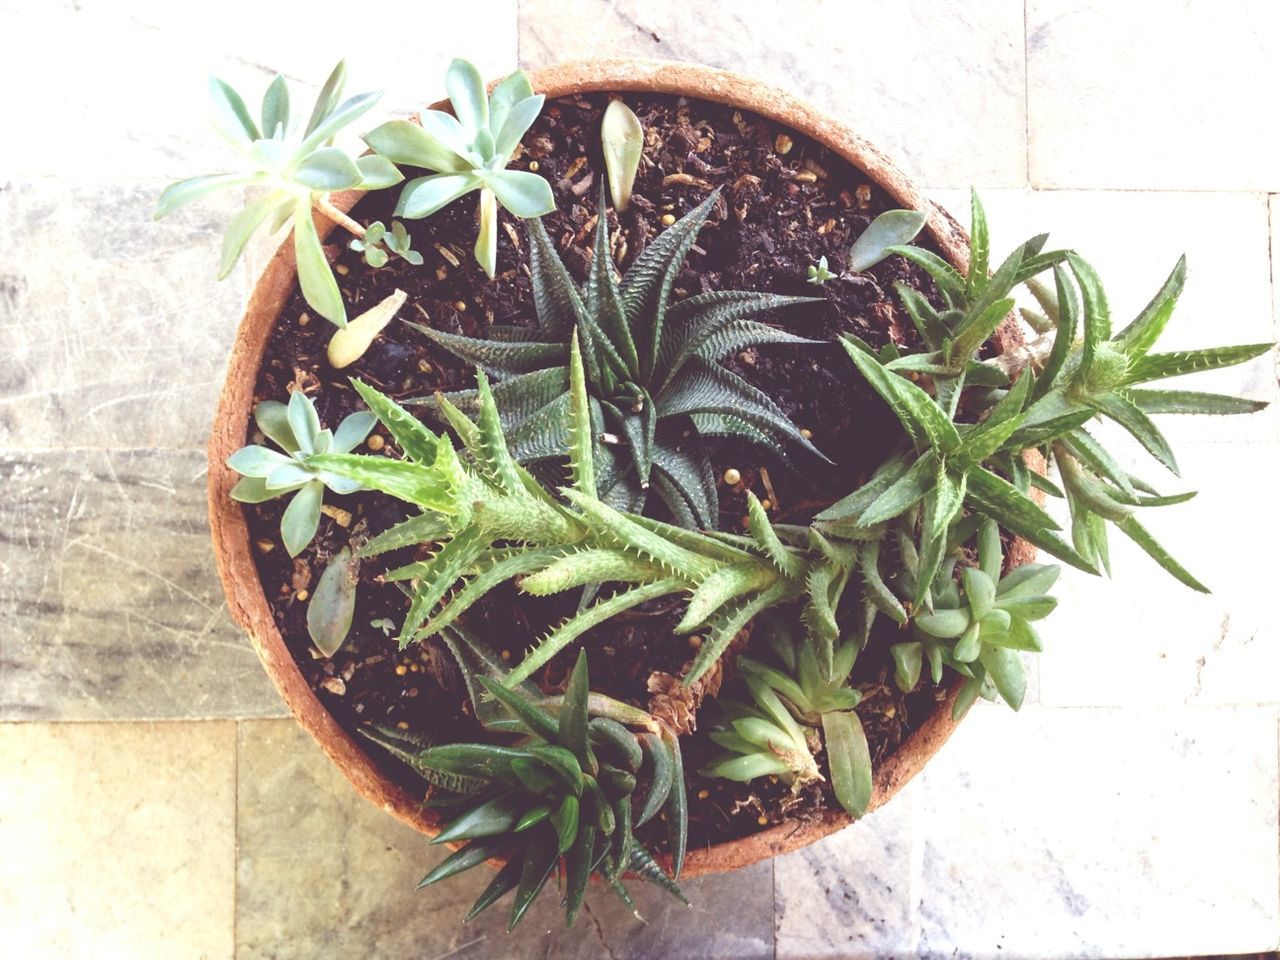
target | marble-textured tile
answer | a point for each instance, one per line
(854, 894)
(322, 871)
(136, 105)
(118, 839)
(937, 87)
(1068, 833)
(1143, 638)
(1127, 95)
(114, 329)
(1133, 239)
(110, 607)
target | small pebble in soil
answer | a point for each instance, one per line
(806, 433)
(401, 670)
(762, 820)
(695, 642)
(266, 546)
(703, 794)
(302, 595)
(304, 319)
(375, 442)
(668, 219)
(732, 477)
(783, 144)
(766, 504)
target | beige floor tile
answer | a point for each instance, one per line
(118, 840)
(1068, 833)
(856, 893)
(1143, 638)
(110, 606)
(322, 872)
(939, 87)
(1152, 96)
(114, 330)
(135, 103)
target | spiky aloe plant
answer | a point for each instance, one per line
(565, 793)
(770, 732)
(653, 379)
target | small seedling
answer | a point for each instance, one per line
(819, 274)
(378, 246)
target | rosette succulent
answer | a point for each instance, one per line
(469, 150)
(299, 166)
(267, 474)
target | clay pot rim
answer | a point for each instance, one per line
(247, 601)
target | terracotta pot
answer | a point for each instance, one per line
(248, 603)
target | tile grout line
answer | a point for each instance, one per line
(773, 885)
(235, 849)
(1026, 97)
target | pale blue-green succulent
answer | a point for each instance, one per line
(294, 159)
(469, 149)
(267, 474)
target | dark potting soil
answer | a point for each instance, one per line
(785, 201)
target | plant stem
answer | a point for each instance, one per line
(337, 216)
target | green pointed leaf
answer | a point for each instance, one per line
(1125, 412)
(1139, 336)
(403, 142)
(950, 284)
(319, 288)
(926, 424)
(301, 518)
(496, 356)
(540, 858)
(1157, 366)
(1153, 402)
(1139, 534)
(1004, 666)
(473, 854)
(979, 244)
(503, 883)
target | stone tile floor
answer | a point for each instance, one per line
(156, 803)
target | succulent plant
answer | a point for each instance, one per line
(469, 150)
(496, 522)
(378, 246)
(979, 623)
(790, 699)
(570, 790)
(622, 143)
(653, 379)
(267, 474)
(299, 166)
(819, 274)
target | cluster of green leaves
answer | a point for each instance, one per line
(296, 164)
(571, 789)
(979, 621)
(892, 547)
(469, 150)
(653, 379)
(267, 474)
(974, 465)
(789, 699)
(378, 246)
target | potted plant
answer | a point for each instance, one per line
(699, 400)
